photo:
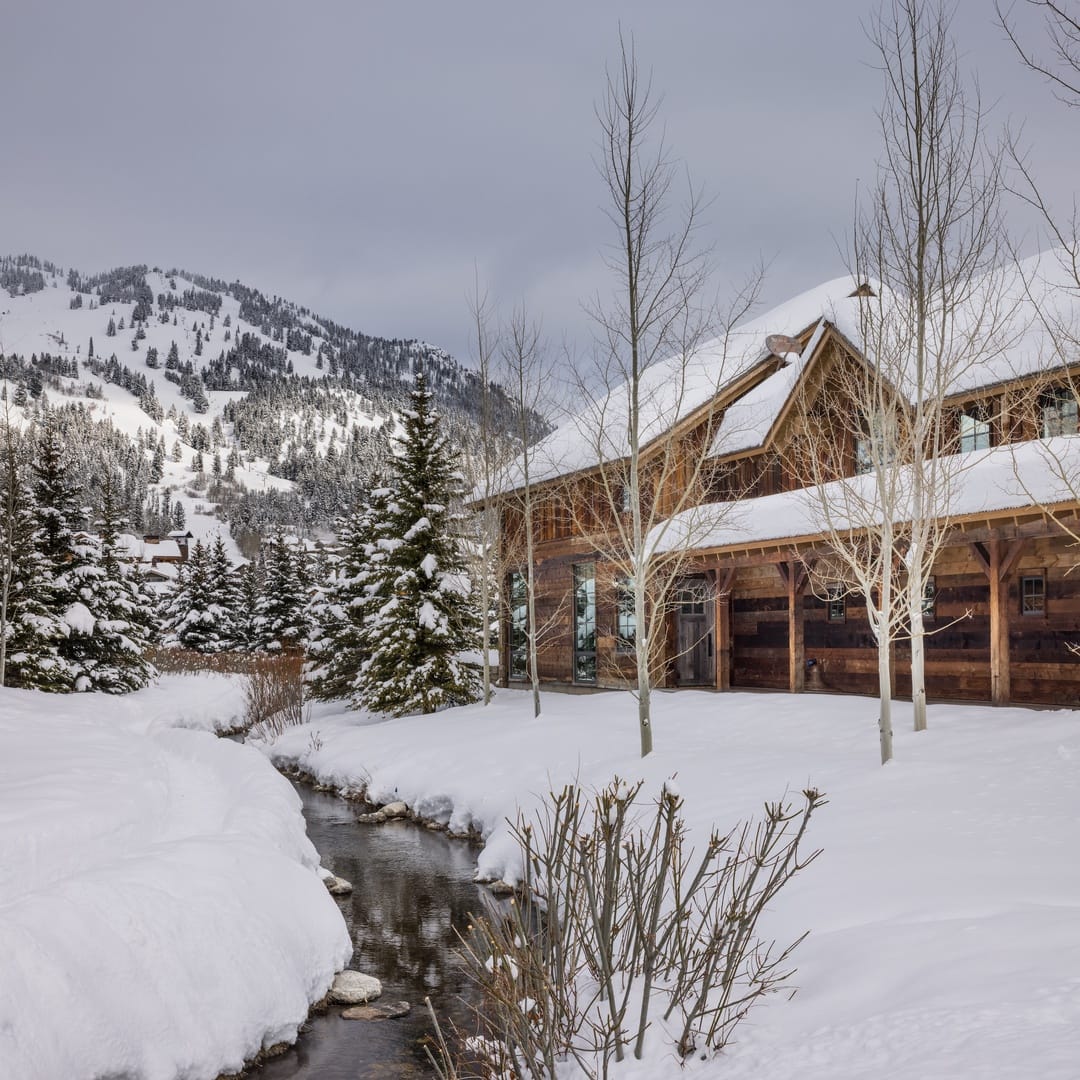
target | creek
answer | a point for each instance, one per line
(412, 889)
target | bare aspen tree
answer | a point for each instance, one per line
(528, 373)
(861, 517)
(488, 468)
(931, 241)
(649, 364)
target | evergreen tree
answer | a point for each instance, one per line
(249, 586)
(282, 614)
(29, 633)
(192, 618)
(423, 641)
(225, 588)
(352, 594)
(125, 621)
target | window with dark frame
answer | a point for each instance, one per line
(975, 430)
(517, 630)
(625, 616)
(1033, 594)
(836, 603)
(585, 622)
(929, 598)
(1058, 411)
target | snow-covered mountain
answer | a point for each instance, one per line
(250, 409)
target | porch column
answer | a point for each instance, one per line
(795, 576)
(722, 627)
(997, 558)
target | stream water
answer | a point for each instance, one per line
(411, 889)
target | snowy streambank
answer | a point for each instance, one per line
(944, 912)
(161, 913)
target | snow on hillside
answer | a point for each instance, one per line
(944, 912)
(45, 322)
(161, 910)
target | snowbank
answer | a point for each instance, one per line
(944, 912)
(161, 911)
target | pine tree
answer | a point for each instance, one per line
(424, 638)
(29, 633)
(249, 585)
(192, 618)
(125, 622)
(353, 593)
(225, 588)
(282, 618)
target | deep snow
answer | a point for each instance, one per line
(161, 908)
(944, 912)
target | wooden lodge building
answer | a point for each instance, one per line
(1002, 608)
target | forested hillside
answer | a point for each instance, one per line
(215, 402)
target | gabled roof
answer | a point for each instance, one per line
(672, 391)
(1013, 314)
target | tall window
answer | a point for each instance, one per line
(625, 617)
(1058, 412)
(517, 634)
(836, 603)
(585, 622)
(929, 598)
(974, 428)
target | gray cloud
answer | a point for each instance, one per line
(361, 157)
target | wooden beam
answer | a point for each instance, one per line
(792, 573)
(982, 556)
(722, 627)
(999, 625)
(1008, 562)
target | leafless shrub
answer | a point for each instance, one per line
(621, 927)
(275, 694)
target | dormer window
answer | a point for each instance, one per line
(1058, 412)
(975, 428)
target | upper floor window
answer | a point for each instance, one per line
(929, 598)
(974, 428)
(836, 602)
(872, 446)
(1058, 412)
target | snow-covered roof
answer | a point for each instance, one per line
(1005, 329)
(674, 389)
(1012, 477)
(1013, 315)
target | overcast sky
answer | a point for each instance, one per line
(361, 157)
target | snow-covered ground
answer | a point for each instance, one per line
(161, 910)
(944, 911)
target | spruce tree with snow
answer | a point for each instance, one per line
(355, 591)
(281, 621)
(194, 618)
(423, 640)
(29, 632)
(225, 588)
(125, 620)
(249, 586)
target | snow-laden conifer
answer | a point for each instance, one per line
(282, 618)
(423, 640)
(350, 596)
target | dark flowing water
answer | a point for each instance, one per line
(411, 889)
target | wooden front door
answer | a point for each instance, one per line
(695, 659)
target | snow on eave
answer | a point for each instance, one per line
(1023, 476)
(715, 368)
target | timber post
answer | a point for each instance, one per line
(722, 627)
(795, 576)
(997, 559)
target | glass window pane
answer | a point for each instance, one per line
(585, 622)
(626, 618)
